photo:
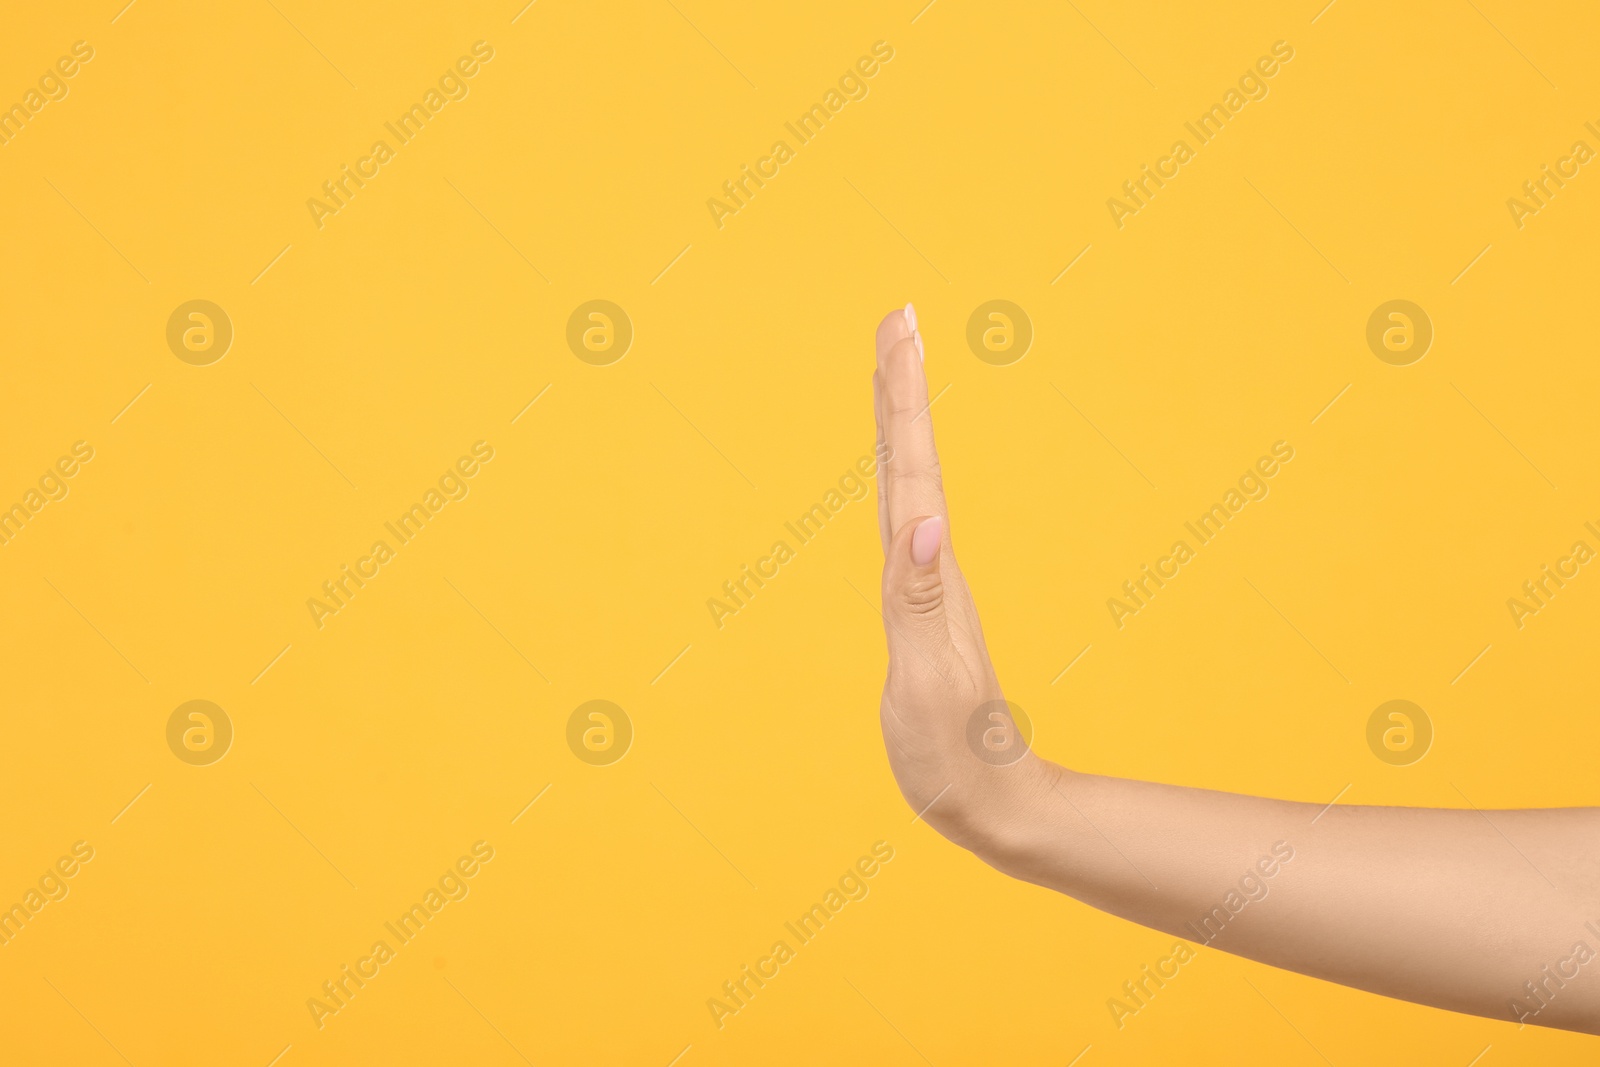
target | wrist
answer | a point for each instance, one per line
(1000, 811)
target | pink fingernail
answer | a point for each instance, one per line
(911, 318)
(917, 337)
(925, 540)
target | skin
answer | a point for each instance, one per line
(1455, 909)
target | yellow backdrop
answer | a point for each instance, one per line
(397, 379)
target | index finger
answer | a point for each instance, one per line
(911, 473)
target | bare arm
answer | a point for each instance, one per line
(1491, 913)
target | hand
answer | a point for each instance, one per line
(974, 780)
(1407, 902)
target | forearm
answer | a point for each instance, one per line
(1453, 908)
(1494, 913)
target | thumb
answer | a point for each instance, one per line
(914, 591)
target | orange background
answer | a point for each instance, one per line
(371, 353)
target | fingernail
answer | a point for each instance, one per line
(917, 337)
(925, 540)
(911, 318)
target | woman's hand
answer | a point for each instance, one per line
(955, 751)
(1496, 913)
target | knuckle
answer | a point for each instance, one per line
(909, 470)
(904, 406)
(923, 596)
